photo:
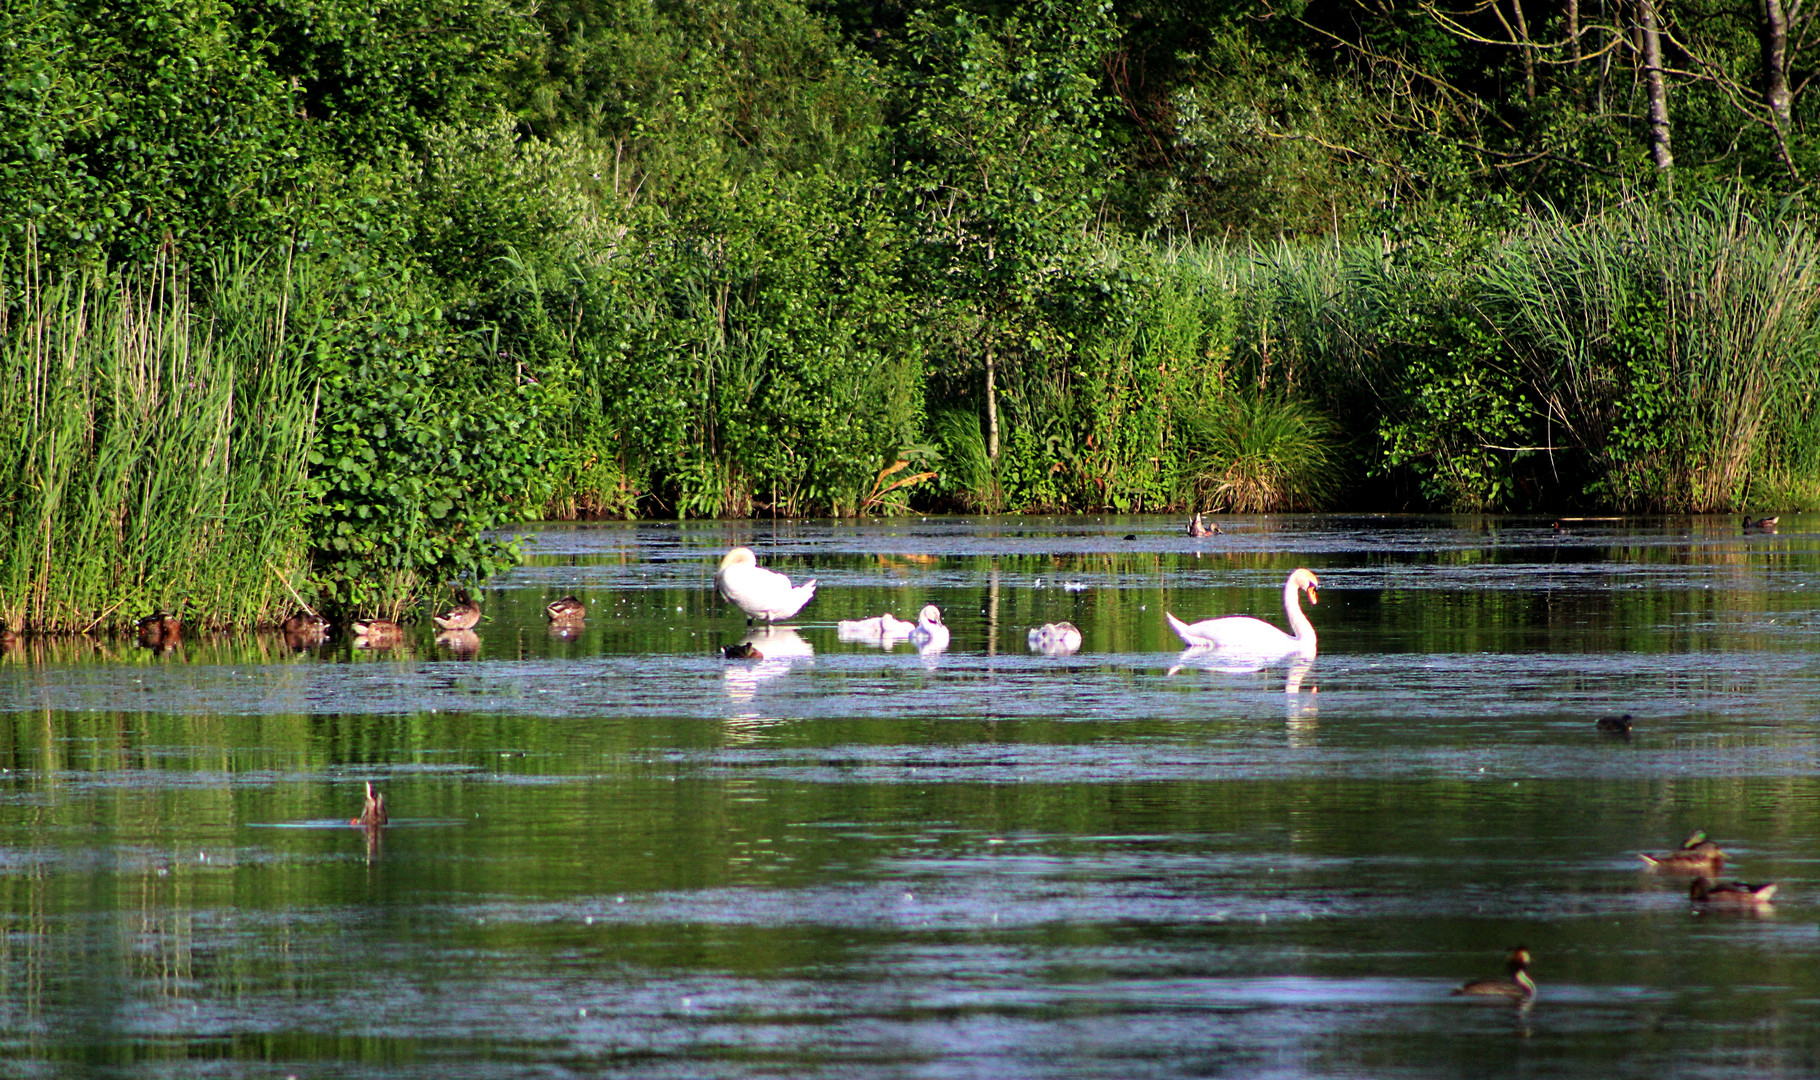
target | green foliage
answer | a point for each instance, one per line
(1676, 345)
(1253, 451)
(427, 440)
(157, 447)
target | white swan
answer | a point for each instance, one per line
(929, 635)
(1055, 639)
(760, 593)
(1255, 637)
(884, 630)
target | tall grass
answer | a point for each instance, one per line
(1254, 451)
(1679, 346)
(157, 447)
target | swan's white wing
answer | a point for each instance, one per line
(761, 593)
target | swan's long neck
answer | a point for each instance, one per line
(1298, 622)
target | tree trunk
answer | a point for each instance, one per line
(991, 407)
(1657, 85)
(1573, 30)
(1772, 39)
(1529, 52)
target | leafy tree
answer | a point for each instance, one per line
(1004, 166)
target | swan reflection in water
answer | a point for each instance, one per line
(1301, 707)
(777, 649)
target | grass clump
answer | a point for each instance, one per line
(1254, 451)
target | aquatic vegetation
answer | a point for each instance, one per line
(158, 439)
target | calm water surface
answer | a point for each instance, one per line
(621, 854)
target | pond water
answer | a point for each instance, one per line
(617, 852)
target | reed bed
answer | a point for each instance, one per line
(1675, 346)
(159, 439)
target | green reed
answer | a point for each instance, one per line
(1678, 346)
(158, 436)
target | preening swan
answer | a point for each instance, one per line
(1055, 639)
(929, 635)
(1243, 634)
(760, 593)
(883, 630)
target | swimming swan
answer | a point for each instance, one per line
(1242, 634)
(760, 593)
(1054, 639)
(883, 630)
(929, 635)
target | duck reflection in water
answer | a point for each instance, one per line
(462, 644)
(773, 650)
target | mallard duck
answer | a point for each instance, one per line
(760, 593)
(741, 651)
(929, 635)
(1054, 639)
(1730, 894)
(1698, 855)
(376, 633)
(1516, 986)
(304, 629)
(160, 632)
(566, 610)
(465, 615)
(1255, 637)
(1198, 528)
(372, 814)
(881, 630)
(1763, 524)
(306, 623)
(1614, 725)
(8, 637)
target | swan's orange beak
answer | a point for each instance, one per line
(1313, 597)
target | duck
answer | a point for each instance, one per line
(760, 593)
(376, 633)
(1054, 639)
(1730, 894)
(1698, 855)
(160, 632)
(1614, 725)
(1516, 986)
(372, 814)
(465, 615)
(303, 630)
(881, 630)
(568, 609)
(8, 636)
(1243, 634)
(1763, 524)
(306, 623)
(742, 650)
(1198, 528)
(929, 635)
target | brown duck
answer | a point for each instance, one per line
(1698, 855)
(372, 814)
(1515, 986)
(1730, 894)
(160, 632)
(465, 615)
(566, 610)
(376, 633)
